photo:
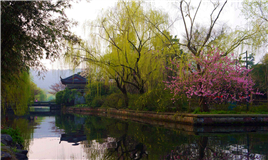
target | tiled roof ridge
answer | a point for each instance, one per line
(73, 76)
(84, 73)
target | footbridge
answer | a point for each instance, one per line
(44, 106)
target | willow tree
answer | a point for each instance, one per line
(17, 95)
(128, 47)
(256, 12)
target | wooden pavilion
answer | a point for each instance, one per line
(75, 81)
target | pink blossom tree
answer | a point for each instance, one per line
(55, 88)
(210, 75)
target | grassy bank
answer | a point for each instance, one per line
(217, 109)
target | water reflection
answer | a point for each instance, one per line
(73, 138)
(92, 137)
(130, 140)
(135, 141)
(25, 124)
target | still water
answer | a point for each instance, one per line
(92, 137)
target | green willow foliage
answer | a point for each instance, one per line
(129, 43)
(17, 95)
(255, 12)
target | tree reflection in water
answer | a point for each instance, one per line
(25, 125)
(127, 148)
(116, 139)
(208, 148)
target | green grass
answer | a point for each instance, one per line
(240, 109)
(15, 134)
(229, 112)
(81, 105)
(2, 144)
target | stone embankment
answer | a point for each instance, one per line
(190, 119)
(10, 150)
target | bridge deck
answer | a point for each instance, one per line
(52, 105)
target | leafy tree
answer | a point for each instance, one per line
(217, 76)
(42, 96)
(37, 93)
(137, 46)
(260, 75)
(34, 90)
(66, 96)
(256, 13)
(51, 98)
(56, 88)
(18, 95)
(200, 40)
(30, 30)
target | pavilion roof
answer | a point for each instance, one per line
(74, 79)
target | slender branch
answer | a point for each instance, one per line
(192, 22)
(110, 37)
(132, 20)
(184, 22)
(211, 27)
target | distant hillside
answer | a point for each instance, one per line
(51, 77)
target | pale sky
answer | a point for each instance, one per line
(88, 11)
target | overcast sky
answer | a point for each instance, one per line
(88, 11)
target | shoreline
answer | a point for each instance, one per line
(181, 118)
(12, 150)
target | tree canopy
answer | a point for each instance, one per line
(256, 11)
(260, 75)
(137, 46)
(216, 76)
(30, 32)
(30, 29)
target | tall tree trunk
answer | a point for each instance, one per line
(123, 89)
(142, 90)
(125, 97)
(202, 146)
(203, 104)
(202, 99)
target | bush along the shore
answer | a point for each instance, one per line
(11, 145)
(158, 99)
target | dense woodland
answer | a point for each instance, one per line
(133, 61)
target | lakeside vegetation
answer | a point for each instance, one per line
(155, 71)
(143, 66)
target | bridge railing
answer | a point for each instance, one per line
(43, 103)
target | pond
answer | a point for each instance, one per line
(92, 137)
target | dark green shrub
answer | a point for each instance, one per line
(66, 96)
(263, 108)
(113, 89)
(98, 89)
(98, 101)
(59, 97)
(115, 100)
(52, 100)
(157, 99)
(15, 134)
